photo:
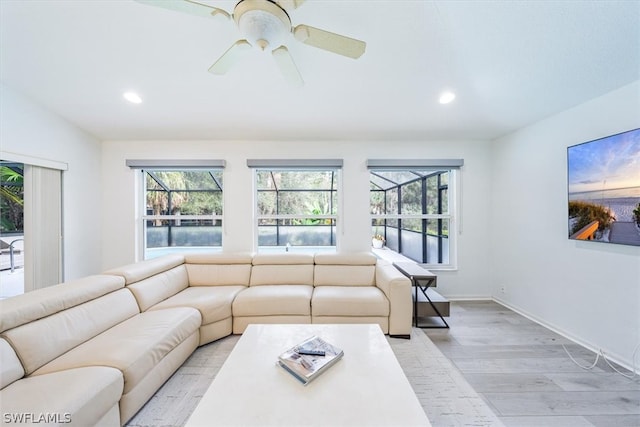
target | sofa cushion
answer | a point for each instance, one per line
(223, 258)
(218, 274)
(354, 269)
(356, 258)
(151, 290)
(43, 340)
(219, 269)
(281, 275)
(134, 346)
(344, 275)
(213, 302)
(10, 367)
(349, 301)
(44, 302)
(269, 300)
(141, 270)
(76, 397)
(282, 258)
(282, 269)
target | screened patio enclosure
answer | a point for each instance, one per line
(297, 208)
(410, 209)
(183, 209)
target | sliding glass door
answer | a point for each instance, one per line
(11, 228)
(30, 227)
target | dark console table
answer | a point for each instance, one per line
(423, 279)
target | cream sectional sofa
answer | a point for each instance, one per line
(94, 350)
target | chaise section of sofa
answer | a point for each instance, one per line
(38, 327)
(279, 291)
(147, 348)
(77, 397)
(87, 350)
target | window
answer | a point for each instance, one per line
(414, 210)
(296, 208)
(183, 210)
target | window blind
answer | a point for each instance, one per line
(306, 164)
(42, 227)
(390, 164)
(165, 164)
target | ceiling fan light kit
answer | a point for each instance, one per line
(262, 23)
(266, 24)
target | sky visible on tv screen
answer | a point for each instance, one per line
(605, 164)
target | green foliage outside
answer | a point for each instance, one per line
(585, 213)
(411, 202)
(296, 192)
(636, 214)
(315, 208)
(11, 200)
(191, 193)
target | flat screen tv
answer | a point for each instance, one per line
(604, 189)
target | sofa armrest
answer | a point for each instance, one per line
(397, 288)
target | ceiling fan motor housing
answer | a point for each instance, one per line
(262, 22)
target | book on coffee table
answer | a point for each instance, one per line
(309, 359)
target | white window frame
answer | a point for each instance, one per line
(296, 165)
(144, 165)
(453, 215)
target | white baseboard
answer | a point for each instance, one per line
(615, 358)
(467, 297)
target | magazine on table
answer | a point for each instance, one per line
(309, 359)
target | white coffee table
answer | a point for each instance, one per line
(367, 387)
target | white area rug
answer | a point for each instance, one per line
(447, 398)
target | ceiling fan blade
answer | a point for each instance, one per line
(289, 4)
(188, 6)
(230, 57)
(329, 41)
(287, 66)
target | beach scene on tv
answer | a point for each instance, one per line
(604, 189)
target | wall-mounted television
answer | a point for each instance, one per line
(604, 189)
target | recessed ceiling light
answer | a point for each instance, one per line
(132, 97)
(446, 97)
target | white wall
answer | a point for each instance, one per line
(30, 130)
(513, 224)
(120, 198)
(586, 290)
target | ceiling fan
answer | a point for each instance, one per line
(266, 24)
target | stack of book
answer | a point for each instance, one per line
(307, 360)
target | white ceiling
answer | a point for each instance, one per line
(511, 63)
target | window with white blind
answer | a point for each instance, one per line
(414, 209)
(297, 204)
(182, 205)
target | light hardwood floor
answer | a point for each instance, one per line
(523, 373)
